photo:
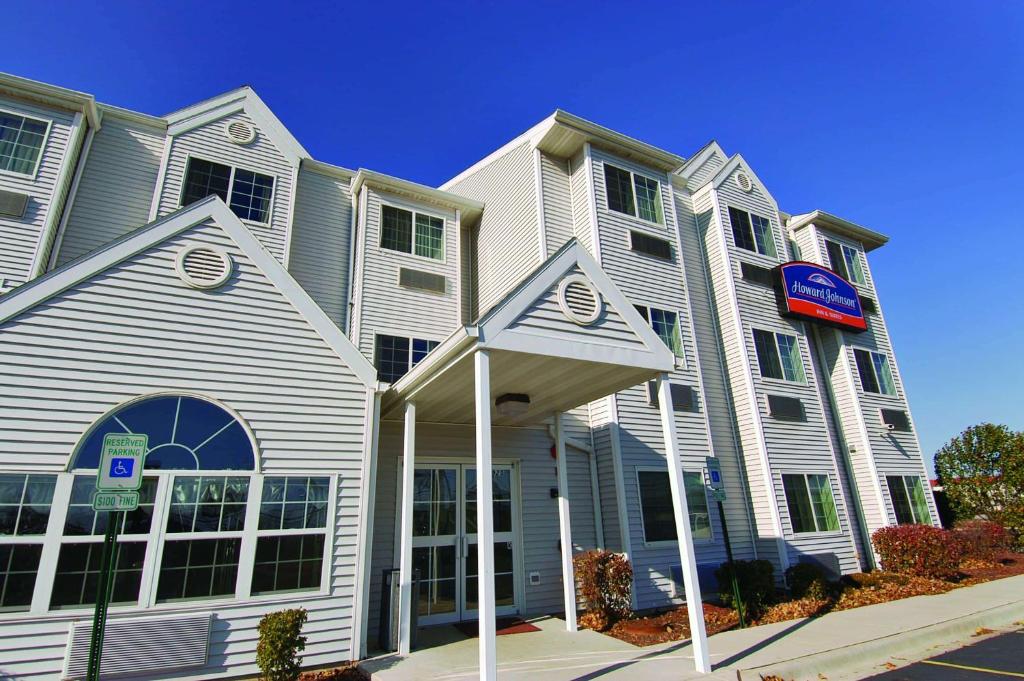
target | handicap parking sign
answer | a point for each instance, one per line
(121, 468)
(121, 462)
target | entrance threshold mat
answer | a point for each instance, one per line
(504, 625)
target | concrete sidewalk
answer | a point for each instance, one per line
(845, 645)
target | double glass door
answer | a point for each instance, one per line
(444, 545)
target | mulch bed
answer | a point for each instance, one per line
(346, 673)
(854, 591)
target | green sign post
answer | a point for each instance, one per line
(117, 490)
(718, 494)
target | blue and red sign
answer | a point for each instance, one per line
(817, 293)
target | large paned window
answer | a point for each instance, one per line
(25, 502)
(21, 143)
(778, 356)
(810, 502)
(394, 356)
(633, 194)
(246, 192)
(874, 371)
(656, 505)
(411, 232)
(752, 232)
(845, 261)
(666, 324)
(908, 500)
(292, 534)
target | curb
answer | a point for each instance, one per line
(868, 656)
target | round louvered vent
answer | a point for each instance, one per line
(743, 181)
(240, 132)
(203, 266)
(578, 300)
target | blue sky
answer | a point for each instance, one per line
(905, 117)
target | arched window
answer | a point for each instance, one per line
(185, 433)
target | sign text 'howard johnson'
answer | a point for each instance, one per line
(817, 293)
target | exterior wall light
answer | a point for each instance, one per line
(512, 404)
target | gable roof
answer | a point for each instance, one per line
(737, 161)
(213, 208)
(696, 161)
(240, 99)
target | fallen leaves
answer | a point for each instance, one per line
(671, 625)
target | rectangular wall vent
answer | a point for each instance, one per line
(868, 305)
(13, 204)
(897, 418)
(789, 408)
(650, 245)
(426, 281)
(142, 646)
(684, 397)
(757, 275)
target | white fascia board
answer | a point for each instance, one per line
(470, 208)
(324, 168)
(700, 159)
(518, 141)
(111, 111)
(52, 95)
(665, 160)
(437, 359)
(868, 237)
(39, 290)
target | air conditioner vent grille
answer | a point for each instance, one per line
(426, 281)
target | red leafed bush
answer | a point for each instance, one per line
(983, 539)
(920, 550)
(605, 581)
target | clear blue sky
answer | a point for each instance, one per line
(904, 117)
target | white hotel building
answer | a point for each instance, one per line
(323, 359)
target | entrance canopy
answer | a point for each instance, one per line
(564, 337)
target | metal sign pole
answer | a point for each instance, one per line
(104, 587)
(732, 567)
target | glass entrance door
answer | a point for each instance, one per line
(445, 541)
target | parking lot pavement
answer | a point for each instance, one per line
(999, 657)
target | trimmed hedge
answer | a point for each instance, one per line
(983, 539)
(807, 580)
(756, 581)
(920, 550)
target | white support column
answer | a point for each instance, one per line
(405, 564)
(694, 605)
(565, 529)
(485, 519)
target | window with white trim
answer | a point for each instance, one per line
(292, 534)
(778, 356)
(657, 511)
(845, 261)
(752, 232)
(666, 324)
(411, 232)
(633, 194)
(395, 356)
(908, 500)
(809, 500)
(25, 502)
(246, 192)
(21, 143)
(875, 374)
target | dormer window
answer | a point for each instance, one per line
(246, 192)
(752, 232)
(633, 194)
(411, 232)
(21, 143)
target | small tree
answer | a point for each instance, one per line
(281, 641)
(982, 471)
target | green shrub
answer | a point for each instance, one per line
(807, 580)
(919, 550)
(756, 581)
(605, 581)
(281, 641)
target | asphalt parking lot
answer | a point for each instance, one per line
(999, 657)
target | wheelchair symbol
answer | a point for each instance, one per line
(121, 468)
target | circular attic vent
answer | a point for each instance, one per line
(578, 300)
(240, 132)
(203, 267)
(744, 182)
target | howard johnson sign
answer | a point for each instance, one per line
(814, 292)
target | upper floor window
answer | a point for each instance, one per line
(908, 500)
(778, 356)
(810, 503)
(411, 232)
(666, 324)
(247, 193)
(875, 375)
(752, 232)
(845, 261)
(394, 356)
(21, 143)
(633, 194)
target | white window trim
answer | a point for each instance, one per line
(807, 489)
(671, 542)
(231, 186)
(895, 395)
(42, 148)
(680, 359)
(415, 210)
(775, 242)
(158, 535)
(632, 188)
(910, 499)
(775, 338)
